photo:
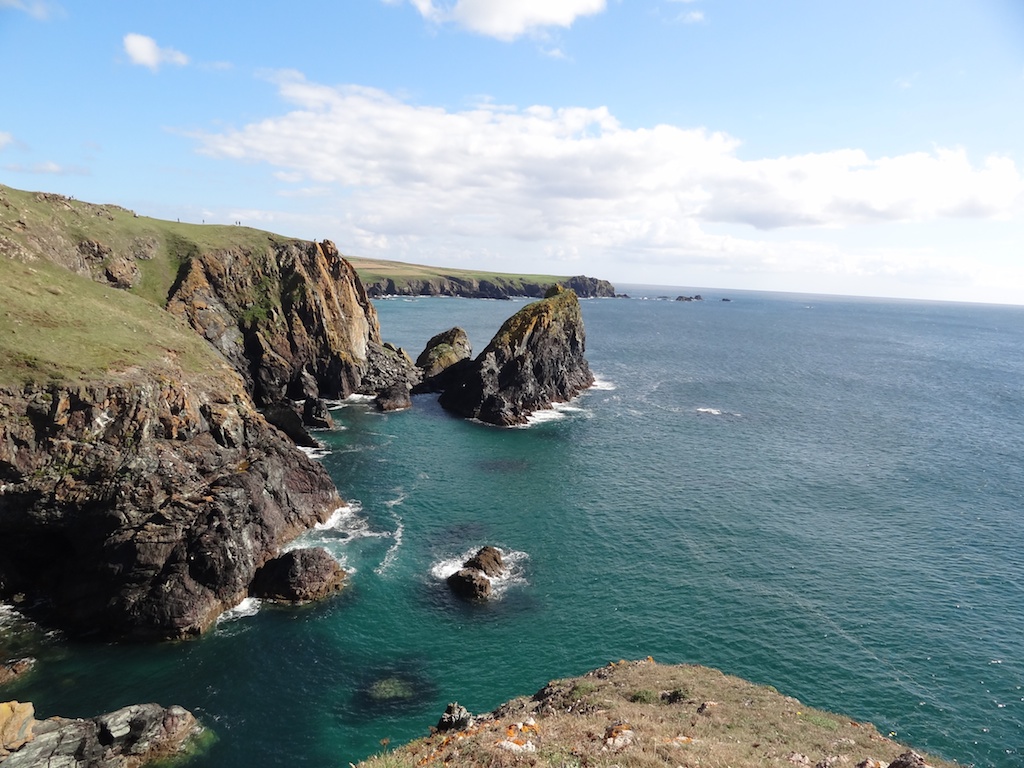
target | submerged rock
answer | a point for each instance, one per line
(298, 576)
(15, 668)
(535, 360)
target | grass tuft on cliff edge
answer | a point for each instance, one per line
(639, 714)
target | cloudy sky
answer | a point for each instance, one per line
(872, 147)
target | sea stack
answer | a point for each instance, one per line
(535, 360)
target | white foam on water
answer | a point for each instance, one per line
(10, 616)
(513, 575)
(315, 453)
(556, 412)
(250, 606)
(392, 553)
(603, 385)
(358, 399)
(717, 412)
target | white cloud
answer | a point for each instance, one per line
(38, 9)
(692, 17)
(507, 19)
(572, 180)
(144, 51)
(5, 139)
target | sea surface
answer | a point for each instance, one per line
(821, 494)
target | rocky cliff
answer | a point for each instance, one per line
(292, 318)
(144, 505)
(493, 287)
(536, 359)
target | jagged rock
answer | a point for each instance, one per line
(15, 668)
(488, 560)
(536, 359)
(388, 366)
(122, 272)
(470, 583)
(143, 506)
(455, 718)
(127, 738)
(284, 416)
(394, 398)
(316, 414)
(495, 287)
(280, 315)
(443, 352)
(299, 575)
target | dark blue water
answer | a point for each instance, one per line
(820, 494)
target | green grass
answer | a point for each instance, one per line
(58, 327)
(376, 270)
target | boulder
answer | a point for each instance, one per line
(455, 718)
(284, 416)
(535, 360)
(443, 351)
(298, 576)
(470, 583)
(909, 759)
(316, 414)
(16, 722)
(394, 398)
(488, 560)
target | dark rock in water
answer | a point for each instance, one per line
(144, 507)
(389, 366)
(284, 416)
(316, 414)
(394, 398)
(726, 299)
(536, 359)
(299, 576)
(470, 583)
(473, 580)
(443, 351)
(455, 718)
(488, 560)
(15, 668)
(126, 738)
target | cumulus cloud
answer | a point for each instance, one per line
(144, 51)
(574, 179)
(507, 19)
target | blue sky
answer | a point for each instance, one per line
(869, 148)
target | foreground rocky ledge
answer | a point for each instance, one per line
(640, 713)
(127, 738)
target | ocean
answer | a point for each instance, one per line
(821, 494)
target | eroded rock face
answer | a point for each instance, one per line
(144, 507)
(535, 360)
(127, 738)
(298, 576)
(488, 560)
(293, 318)
(440, 357)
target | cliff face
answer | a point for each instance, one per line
(536, 359)
(495, 287)
(293, 318)
(144, 506)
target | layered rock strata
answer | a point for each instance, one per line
(535, 360)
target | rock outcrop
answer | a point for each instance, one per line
(15, 668)
(442, 352)
(536, 359)
(473, 580)
(299, 576)
(292, 318)
(493, 287)
(143, 506)
(127, 738)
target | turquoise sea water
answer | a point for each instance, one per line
(821, 494)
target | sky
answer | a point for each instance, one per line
(868, 148)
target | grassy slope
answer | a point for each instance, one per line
(58, 327)
(674, 715)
